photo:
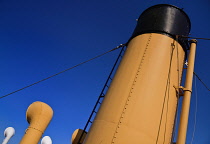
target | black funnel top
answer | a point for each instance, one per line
(164, 19)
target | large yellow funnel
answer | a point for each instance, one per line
(140, 104)
(38, 116)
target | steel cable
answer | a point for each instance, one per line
(121, 45)
(195, 115)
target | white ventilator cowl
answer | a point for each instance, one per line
(8, 133)
(46, 140)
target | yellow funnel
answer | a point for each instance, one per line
(76, 136)
(141, 102)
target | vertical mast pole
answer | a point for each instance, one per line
(182, 131)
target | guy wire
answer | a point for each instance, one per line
(178, 85)
(201, 81)
(168, 79)
(196, 107)
(121, 45)
(194, 37)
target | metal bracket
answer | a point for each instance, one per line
(180, 90)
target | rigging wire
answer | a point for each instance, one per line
(121, 45)
(173, 45)
(164, 100)
(194, 37)
(177, 94)
(196, 107)
(205, 85)
(167, 109)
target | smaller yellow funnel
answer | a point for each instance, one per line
(76, 136)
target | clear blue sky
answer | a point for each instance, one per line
(40, 38)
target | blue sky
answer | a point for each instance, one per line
(40, 38)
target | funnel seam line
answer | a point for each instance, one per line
(132, 87)
(34, 129)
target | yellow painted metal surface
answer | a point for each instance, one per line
(76, 136)
(140, 105)
(38, 116)
(187, 96)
